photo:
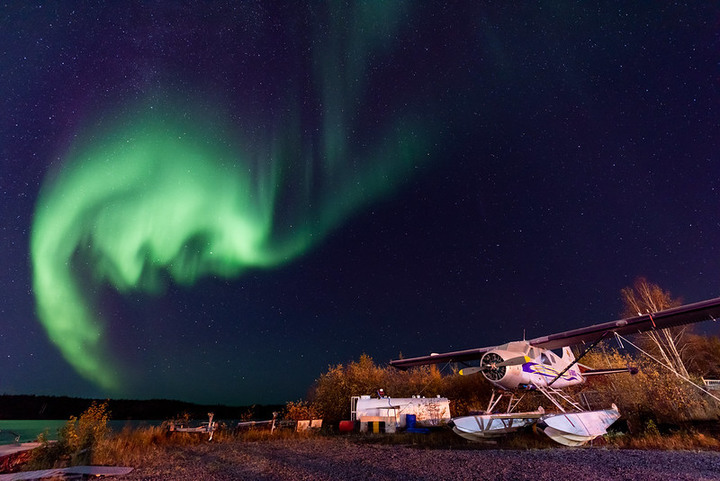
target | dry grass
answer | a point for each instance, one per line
(666, 442)
(155, 445)
(133, 447)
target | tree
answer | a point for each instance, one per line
(647, 298)
(703, 355)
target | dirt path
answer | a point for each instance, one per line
(345, 460)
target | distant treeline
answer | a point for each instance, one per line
(60, 407)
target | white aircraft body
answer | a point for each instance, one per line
(532, 365)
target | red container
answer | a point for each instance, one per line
(347, 426)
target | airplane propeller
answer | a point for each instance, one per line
(467, 371)
(514, 361)
(494, 366)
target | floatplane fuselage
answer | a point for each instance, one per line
(518, 365)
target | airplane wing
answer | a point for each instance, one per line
(676, 316)
(687, 314)
(456, 356)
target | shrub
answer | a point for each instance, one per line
(301, 410)
(653, 394)
(77, 440)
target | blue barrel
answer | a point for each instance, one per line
(410, 420)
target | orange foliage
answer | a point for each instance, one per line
(333, 389)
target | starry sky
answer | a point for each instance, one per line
(215, 201)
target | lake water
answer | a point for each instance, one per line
(29, 429)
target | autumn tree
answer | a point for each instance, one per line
(333, 389)
(647, 298)
(301, 410)
(702, 355)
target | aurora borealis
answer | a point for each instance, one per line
(166, 191)
(160, 197)
(236, 196)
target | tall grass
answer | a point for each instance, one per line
(146, 445)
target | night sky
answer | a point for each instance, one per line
(215, 201)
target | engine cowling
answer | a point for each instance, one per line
(491, 366)
(503, 368)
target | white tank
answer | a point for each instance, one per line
(427, 411)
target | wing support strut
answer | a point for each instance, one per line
(595, 343)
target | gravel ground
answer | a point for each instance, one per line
(346, 460)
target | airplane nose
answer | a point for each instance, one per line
(492, 367)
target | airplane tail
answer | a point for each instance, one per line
(567, 354)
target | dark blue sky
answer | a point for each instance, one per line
(566, 150)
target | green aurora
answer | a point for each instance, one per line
(158, 196)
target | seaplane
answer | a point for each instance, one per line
(521, 366)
